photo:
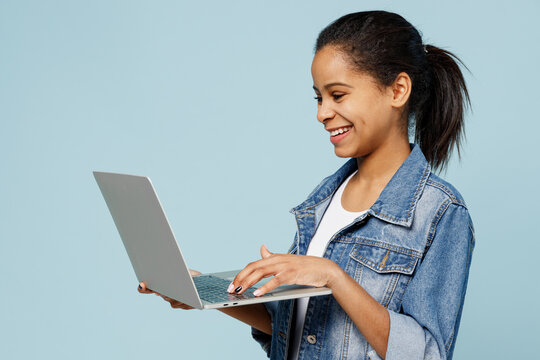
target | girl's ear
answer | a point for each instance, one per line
(401, 90)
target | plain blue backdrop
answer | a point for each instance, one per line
(213, 101)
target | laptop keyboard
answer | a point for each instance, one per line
(214, 289)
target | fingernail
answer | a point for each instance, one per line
(257, 292)
(238, 289)
(230, 288)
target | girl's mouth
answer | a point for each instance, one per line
(339, 134)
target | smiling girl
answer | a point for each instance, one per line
(390, 238)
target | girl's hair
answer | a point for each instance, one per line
(384, 44)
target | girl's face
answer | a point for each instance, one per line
(352, 102)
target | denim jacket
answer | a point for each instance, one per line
(411, 251)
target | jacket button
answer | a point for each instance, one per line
(312, 339)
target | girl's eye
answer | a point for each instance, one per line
(335, 96)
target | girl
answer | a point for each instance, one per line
(391, 239)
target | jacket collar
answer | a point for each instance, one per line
(396, 203)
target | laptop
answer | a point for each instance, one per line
(156, 256)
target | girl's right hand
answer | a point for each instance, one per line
(174, 303)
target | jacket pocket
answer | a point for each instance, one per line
(385, 258)
(384, 270)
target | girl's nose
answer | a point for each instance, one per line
(324, 112)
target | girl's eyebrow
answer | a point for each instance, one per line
(332, 84)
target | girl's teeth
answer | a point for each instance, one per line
(340, 131)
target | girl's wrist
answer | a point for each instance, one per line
(335, 275)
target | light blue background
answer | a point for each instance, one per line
(213, 101)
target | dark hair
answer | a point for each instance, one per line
(384, 44)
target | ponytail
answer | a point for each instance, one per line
(384, 44)
(440, 117)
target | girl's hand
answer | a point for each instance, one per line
(174, 303)
(286, 269)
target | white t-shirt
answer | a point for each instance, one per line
(334, 219)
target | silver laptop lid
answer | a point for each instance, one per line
(147, 236)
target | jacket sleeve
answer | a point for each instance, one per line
(426, 325)
(264, 339)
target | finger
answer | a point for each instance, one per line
(264, 252)
(258, 274)
(194, 272)
(176, 304)
(170, 300)
(235, 285)
(180, 305)
(143, 289)
(239, 279)
(273, 283)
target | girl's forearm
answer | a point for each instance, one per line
(254, 315)
(370, 317)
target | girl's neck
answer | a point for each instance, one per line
(379, 166)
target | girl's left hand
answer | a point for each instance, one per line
(286, 269)
(175, 304)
